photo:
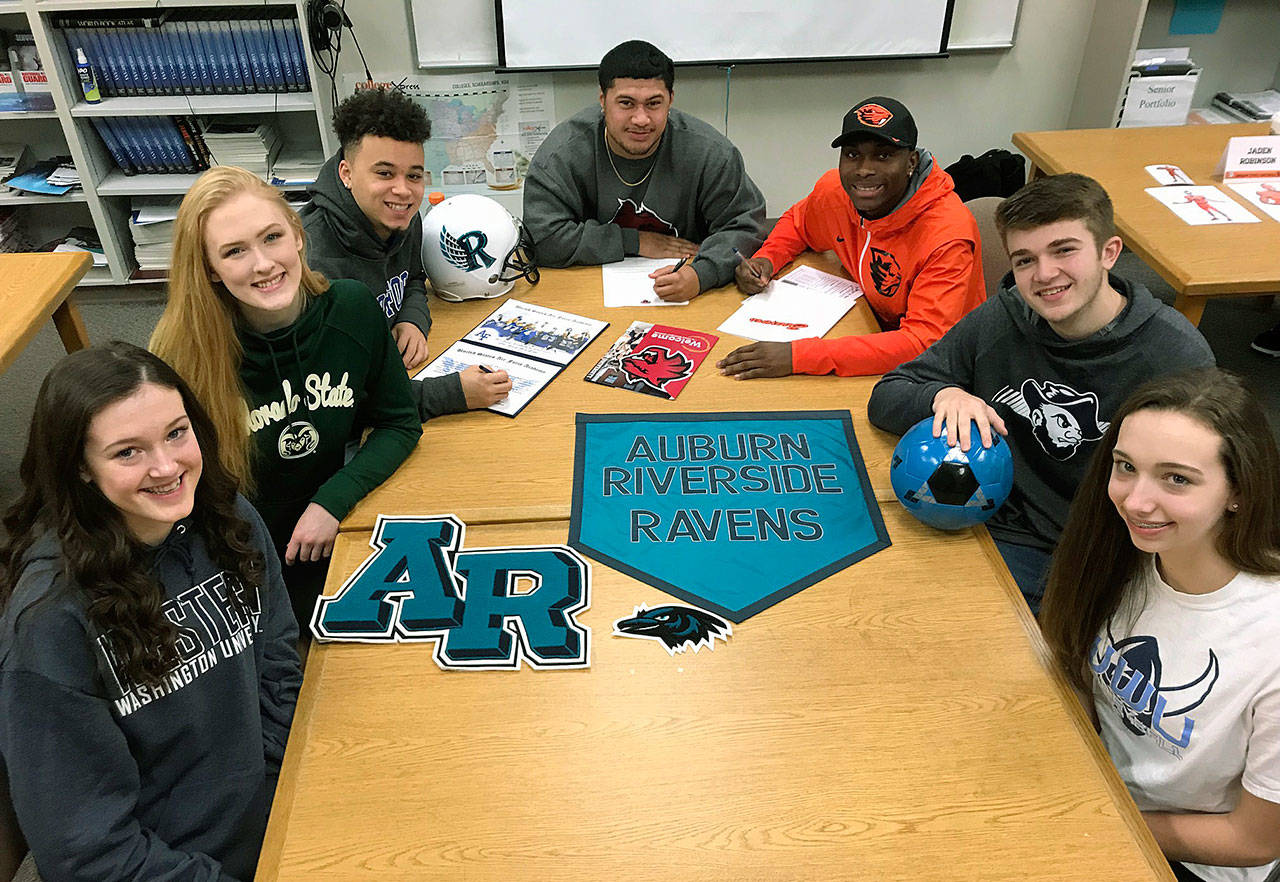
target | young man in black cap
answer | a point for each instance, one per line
(892, 215)
(642, 179)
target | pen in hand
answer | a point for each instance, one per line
(751, 268)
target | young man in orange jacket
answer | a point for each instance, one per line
(892, 216)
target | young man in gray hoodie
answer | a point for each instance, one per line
(1045, 363)
(362, 223)
(636, 177)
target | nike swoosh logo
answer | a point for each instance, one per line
(839, 238)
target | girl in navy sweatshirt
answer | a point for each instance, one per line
(147, 666)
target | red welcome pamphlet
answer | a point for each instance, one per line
(653, 359)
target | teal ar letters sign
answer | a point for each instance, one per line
(730, 511)
(485, 608)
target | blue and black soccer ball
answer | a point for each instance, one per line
(944, 487)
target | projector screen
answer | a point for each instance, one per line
(549, 34)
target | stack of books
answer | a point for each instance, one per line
(190, 52)
(154, 144)
(13, 236)
(12, 159)
(296, 167)
(151, 226)
(80, 239)
(251, 146)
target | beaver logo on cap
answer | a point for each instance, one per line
(874, 115)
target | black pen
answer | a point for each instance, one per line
(485, 370)
(680, 264)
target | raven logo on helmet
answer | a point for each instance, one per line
(874, 115)
(486, 260)
(466, 252)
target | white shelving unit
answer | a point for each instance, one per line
(304, 119)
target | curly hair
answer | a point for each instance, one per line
(384, 113)
(99, 555)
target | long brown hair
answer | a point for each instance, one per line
(196, 334)
(1096, 563)
(99, 554)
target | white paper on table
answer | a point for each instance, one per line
(1169, 175)
(627, 282)
(817, 280)
(528, 377)
(1203, 205)
(1264, 194)
(788, 310)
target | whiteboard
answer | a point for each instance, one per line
(463, 33)
(983, 24)
(549, 34)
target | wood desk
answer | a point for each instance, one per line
(467, 463)
(34, 287)
(896, 721)
(1197, 261)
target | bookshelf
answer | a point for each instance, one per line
(302, 119)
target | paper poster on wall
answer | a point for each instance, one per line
(485, 127)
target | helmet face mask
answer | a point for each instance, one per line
(472, 248)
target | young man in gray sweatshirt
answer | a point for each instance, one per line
(635, 177)
(1044, 363)
(362, 223)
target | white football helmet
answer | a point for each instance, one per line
(473, 248)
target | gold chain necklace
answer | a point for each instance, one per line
(609, 153)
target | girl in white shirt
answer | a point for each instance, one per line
(1163, 608)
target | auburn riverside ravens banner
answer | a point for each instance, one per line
(730, 511)
(485, 608)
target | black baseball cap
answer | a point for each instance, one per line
(878, 117)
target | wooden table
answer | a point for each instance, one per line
(34, 287)
(897, 721)
(489, 468)
(1197, 261)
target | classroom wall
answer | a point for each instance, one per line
(1242, 55)
(783, 116)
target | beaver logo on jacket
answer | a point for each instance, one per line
(885, 272)
(297, 440)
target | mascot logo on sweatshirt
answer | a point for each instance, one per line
(1061, 418)
(297, 440)
(484, 608)
(1131, 672)
(874, 115)
(641, 217)
(466, 252)
(885, 272)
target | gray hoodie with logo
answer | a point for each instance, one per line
(113, 779)
(1055, 396)
(342, 244)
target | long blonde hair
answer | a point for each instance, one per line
(197, 333)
